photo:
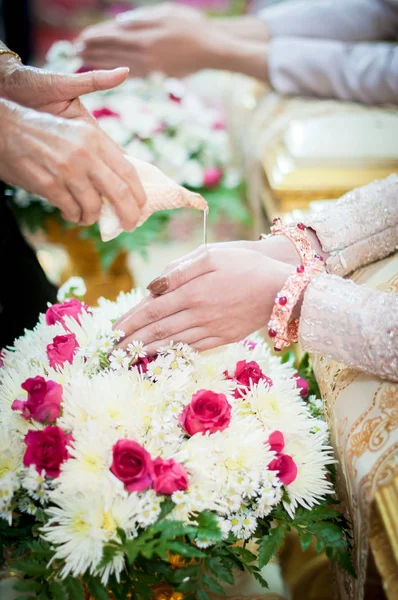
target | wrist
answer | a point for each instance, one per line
(225, 52)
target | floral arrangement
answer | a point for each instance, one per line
(163, 122)
(117, 467)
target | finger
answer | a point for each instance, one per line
(183, 273)
(207, 344)
(70, 209)
(166, 329)
(190, 337)
(152, 311)
(121, 165)
(124, 40)
(88, 198)
(100, 58)
(123, 196)
(92, 81)
(138, 19)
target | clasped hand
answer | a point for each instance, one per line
(214, 296)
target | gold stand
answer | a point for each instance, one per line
(83, 261)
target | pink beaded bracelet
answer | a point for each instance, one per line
(281, 327)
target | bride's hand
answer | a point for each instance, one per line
(216, 298)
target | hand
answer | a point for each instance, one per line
(54, 93)
(72, 163)
(216, 298)
(151, 39)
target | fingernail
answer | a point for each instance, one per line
(158, 286)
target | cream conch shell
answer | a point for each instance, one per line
(162, 194)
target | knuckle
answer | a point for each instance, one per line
(153, 313)
(159, 332)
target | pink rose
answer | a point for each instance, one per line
(169, 476)
(69, 308)
(250, 344)
(133, 465)
(207, 411)
(47, 450)
(44, 400)
(218, 125)
(286, 467)
(276, 441)
(100, 113)
(302, 385)
(212, 177)
(248, 373)
(62, 349)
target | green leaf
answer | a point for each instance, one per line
(269, 545)
(29, 567)
(306, 541)
(304, 516)
(57, 591)
(185, 550)
(221, 569)
(257, 575)
(244, 554)
(212, 585)
(208, 528)
(202, 595)
(97, 590)
(27, 585)
(75, 588)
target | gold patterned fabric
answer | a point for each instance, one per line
(363, 416)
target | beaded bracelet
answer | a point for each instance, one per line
(281, 327)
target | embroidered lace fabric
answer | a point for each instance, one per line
(339, 318)
(359, 228)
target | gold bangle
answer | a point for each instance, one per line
(14, 54)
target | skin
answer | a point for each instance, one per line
(150, 39)
(52, 147)
(214, 296)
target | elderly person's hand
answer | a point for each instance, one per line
(217, 297)
(55, 93)
(71, 162)
(176, 41)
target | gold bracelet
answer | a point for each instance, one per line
(14, 54)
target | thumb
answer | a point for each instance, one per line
(184, 272)
(92, 81)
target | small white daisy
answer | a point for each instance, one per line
(136, 349)
(119, 360)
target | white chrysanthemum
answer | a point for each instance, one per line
(80, 525)
(311, 453)
(74, 286)
(10, 467)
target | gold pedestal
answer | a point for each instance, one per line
(83, 261)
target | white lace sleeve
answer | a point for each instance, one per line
(351, 323)
(360, 228)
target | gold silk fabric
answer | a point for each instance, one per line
(362, 411)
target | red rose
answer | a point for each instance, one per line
(142, 363)
(44, 400)
(302, 385)
(276, 441)
(207, 411)
(133, 465)
(169, 476)
(47, 450)
(286, 467)
(69, 308)
(100, 113)
(248, 373)
(62, 349)
(212, 177)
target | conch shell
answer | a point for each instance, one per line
(162, 194)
